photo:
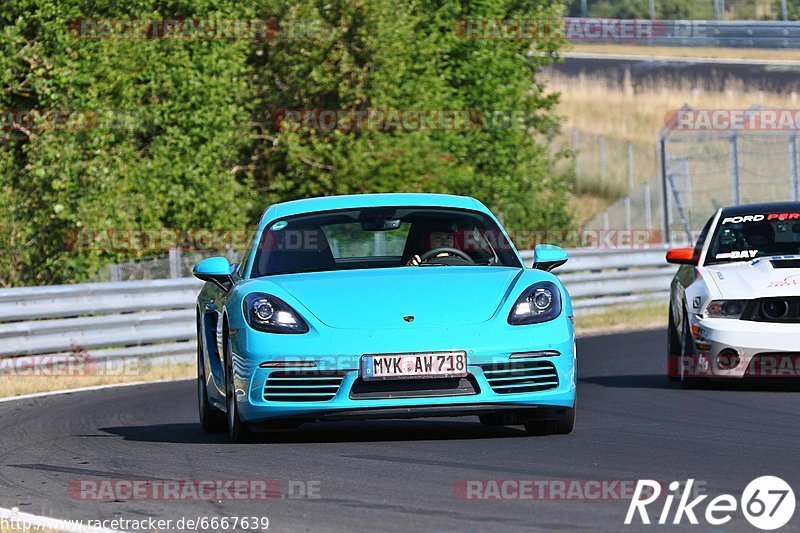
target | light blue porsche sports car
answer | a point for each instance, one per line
(383, 306)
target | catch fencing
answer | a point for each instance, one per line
(703, 169)
(154, 320)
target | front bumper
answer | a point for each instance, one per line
(485, 346)
(762, 349)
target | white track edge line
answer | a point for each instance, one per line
(27, 519)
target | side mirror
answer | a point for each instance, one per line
(681, 256)
(214, 269)
(547, 257)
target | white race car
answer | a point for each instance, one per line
(735, 300)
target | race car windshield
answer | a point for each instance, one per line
(746, 237)
(382, 237)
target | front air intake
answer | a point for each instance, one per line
(302, 386)
(522, 376)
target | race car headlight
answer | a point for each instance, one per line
(267, 313)
(725, 309)
(539, 303)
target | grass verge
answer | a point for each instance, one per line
(17, 384)
(616, 319)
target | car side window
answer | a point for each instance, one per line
(701, 239)
(245, 258)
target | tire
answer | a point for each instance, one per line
(238, 431)
(673, 351)
(559, 426)
(212, 420)
(687, 350)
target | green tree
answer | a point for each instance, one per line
(385, 55)
(158, 150)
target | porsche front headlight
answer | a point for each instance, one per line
(270, 314)
(538, 303)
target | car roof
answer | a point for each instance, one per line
(357, 201)
(749, 209)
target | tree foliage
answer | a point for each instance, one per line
(180, 133)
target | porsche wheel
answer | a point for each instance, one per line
(238, 431)
(212, 420)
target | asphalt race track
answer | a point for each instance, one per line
(400, 475)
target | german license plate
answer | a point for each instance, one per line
(414, 365)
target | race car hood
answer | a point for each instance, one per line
(381, 298)
(760, 278)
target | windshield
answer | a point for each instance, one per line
(758, 234)
(382, 237)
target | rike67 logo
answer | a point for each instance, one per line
(767, 503)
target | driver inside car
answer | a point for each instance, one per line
(436, 239)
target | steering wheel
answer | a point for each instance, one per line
(449, 251)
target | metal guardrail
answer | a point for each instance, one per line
(118, 321)
(714, 33)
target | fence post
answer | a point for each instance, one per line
(661, 148)
(733, 157)
(116, 272)
(174, 263)
(793, 166)
(652, 9)
(575, 141)
(628, 222)
(584, 9)
(784, 10)
(602, 142)
(648, 209)
(631, 180)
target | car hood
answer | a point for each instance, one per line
(381, 298)
(763, 277)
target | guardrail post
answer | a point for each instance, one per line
(784, 10)
(648, 208)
